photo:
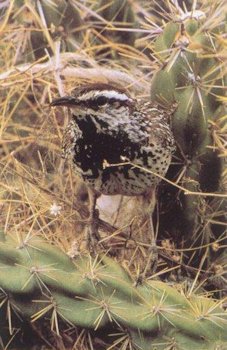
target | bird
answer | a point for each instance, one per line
(117, 144)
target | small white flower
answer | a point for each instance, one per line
(55, 209)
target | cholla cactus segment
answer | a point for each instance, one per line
(43, 283)
(44, 23)
(191, 73)
(119, 20)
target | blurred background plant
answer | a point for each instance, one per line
(169, 51)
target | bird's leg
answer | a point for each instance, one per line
(152, 261)
(92, 229)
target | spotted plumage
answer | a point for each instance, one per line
(108, 127)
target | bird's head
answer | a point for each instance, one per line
(96, 99)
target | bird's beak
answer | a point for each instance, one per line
(64, 101)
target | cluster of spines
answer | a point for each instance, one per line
(43, 283)
(191, 74)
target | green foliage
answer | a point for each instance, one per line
(39, 283)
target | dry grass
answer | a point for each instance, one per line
(39, 193)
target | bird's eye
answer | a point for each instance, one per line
(101, 100)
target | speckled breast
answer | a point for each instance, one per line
(96, 153)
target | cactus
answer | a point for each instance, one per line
(39, 283)
(44, 22)
(192, 75)
(120, 15)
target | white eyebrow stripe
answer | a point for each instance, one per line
(106, 93)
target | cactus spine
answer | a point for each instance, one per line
(43, 283)
(192, 75)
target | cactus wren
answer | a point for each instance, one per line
(108, 127)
